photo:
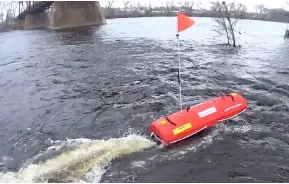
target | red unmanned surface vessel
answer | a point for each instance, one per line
(189, 121)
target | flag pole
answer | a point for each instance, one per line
(179, 71)
(183, 22)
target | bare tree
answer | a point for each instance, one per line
(2, 10)
(135, 7)
(227, 18)
(109, 4)
(162, 8)
(260, 9)
(7, 12)
(109, 10)
(148, 9)
(198, 5)
(11, 12)
(187, 6)
(170, 6)
(126, 5)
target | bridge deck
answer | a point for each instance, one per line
(39, 6)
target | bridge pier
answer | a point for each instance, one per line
(18, 24)
(36, 20)
(66, 14)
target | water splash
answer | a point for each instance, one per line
(85, 162)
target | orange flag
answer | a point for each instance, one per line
(184, 22)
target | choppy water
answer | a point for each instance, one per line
(75, 104)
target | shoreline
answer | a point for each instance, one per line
(171, 15)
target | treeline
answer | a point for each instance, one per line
(190, 8)
(8, 11)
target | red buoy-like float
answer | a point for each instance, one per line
(189, 121)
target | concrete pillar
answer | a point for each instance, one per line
(18, 24)
(66, 14)
(102, 14)
(36, 20)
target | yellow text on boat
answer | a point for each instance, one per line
(182, 128)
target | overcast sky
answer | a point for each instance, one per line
(206, 3)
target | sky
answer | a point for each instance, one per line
(206, 3)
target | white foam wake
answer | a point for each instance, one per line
(84, 162)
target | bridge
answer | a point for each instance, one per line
(58, 14)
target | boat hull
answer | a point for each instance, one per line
(187, 122)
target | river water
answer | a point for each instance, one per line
(76, 104)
